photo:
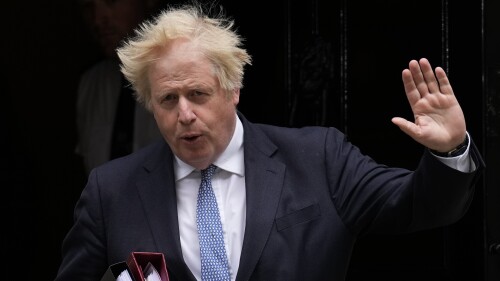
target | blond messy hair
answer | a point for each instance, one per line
(213, 35)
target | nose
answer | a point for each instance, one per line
(186, 115)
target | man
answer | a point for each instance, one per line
(291, 202)
(110, 123)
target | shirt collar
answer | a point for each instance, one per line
(230, 160)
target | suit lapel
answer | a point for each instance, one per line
(264, 180)
(160, 206)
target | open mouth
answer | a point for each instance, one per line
(191, 138)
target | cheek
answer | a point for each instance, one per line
(164, 119)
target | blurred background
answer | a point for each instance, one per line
(317, 62)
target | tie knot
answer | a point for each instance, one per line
(206, 174)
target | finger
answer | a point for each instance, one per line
(430, 78)
(418, 78)
(412, 93)
(444, 83)
(407, 127)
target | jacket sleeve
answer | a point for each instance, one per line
(371, 197)
(83, 249)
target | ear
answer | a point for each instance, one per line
(236, 96)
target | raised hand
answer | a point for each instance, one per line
(439, 121)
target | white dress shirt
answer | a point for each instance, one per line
(228, 183)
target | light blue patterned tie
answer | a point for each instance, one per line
(214, 263)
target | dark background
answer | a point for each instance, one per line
(318, 62)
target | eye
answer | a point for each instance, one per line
(197, 93)
(170, 97)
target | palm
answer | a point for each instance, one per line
(439, 122)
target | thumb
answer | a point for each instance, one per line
(406, 126)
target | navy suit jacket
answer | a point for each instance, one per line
(310, 193)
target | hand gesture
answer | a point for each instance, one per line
(439, 121)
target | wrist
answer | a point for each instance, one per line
(457, 151)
